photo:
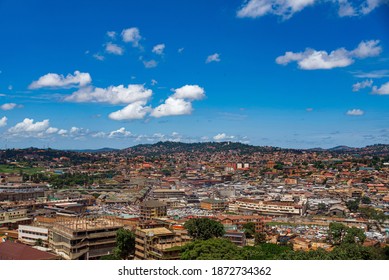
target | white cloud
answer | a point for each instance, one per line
(111, 34)
(191, 92)
(112, 95)
(52, 80)
(114, 49)
(10, 87)
(180, 50)
(309, 109)
(62, 132)
(372, 75)
(222, 136)
(52, 130)
(131, 35)
(98, 56)
(121, 132)
(180, 102)
(283, 8)
(383, 89)
(158, 49)
(28, 128)
(213, 58)
(367, 49)
(355, 112)
(311, 59)
(136, 110)
(8, 106)
(3, 121)
(364, 84)
(150, 63)
(287, 8)
(172, 107)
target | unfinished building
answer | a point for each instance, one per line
(84, 238)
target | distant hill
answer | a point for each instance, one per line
(102, 150)
(341, 148)
(179, 147)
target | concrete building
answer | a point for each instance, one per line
(13, 218)
(152, 209)
(159, 243)
(274, 208)
(31, 235)
(213, 204)
(84, 238)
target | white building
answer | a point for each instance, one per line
(30, 235)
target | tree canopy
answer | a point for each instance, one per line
(212, 249)
(204, 228)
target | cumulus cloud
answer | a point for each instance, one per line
(222, 136)
(132, 35)
(311, 59)
(114, 49)
(173, 107)
(136, 110)
(180, 102)
(120, 133)
(283, 8)
(3, 121)
(8, 106)
(112, 94)
(213, 58)
(364, 84)
(367, 49)
(29, 128)
(51, 130)
(159, 49)
(383, 89)
(28, 125)
(191, 92)
(52, 80)
(355, 112)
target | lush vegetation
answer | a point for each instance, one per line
(204, 228)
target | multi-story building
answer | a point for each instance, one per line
(33, 235)
(271, 207)
(213, 204)
(84, 238)
(13, 218)
(168, 193)
(159, 243)
(152, 209)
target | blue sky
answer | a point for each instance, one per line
(288, 73)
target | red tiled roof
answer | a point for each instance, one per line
(16, 251)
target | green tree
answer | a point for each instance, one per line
(39, 242)
(212, 249)
(353, 205)
(336, 233)
(265, 251)
(259, 237)
(204, 228)
(125, 243)
(366, 200)
(354, 235)
(249, 229)
(321, 207)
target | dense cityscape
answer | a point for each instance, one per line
(173, 200)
